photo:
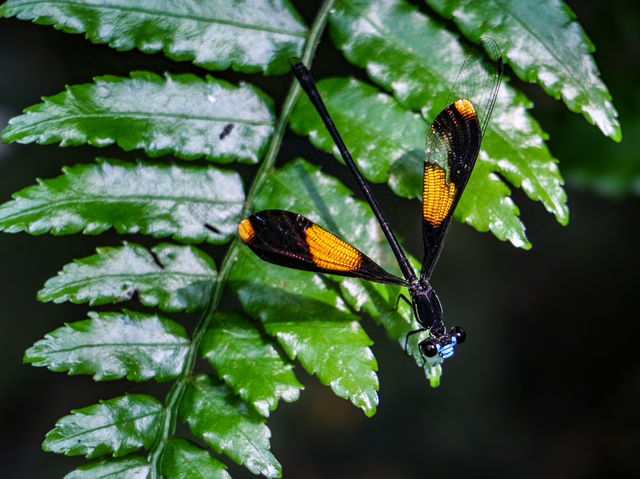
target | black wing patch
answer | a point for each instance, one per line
(288, 239)
(453, 145)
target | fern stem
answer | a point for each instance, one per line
(175, 394)
(294, 92)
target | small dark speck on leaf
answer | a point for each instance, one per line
(212, 228)
(156, 260)
(130, 294)
(226, 130)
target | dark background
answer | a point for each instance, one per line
(547, 385)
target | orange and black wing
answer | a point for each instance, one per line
(453, 144)
(288, 239)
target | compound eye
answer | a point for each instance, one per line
(458, 333)
(428, 349)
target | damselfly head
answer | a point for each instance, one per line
(443, 345)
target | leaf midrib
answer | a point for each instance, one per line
(85, 432)
(135, 115)
(113, 200)
(250, 439)
(158, 13)
(390, 37)
(550, 51)
(159, 274)
(184, 344)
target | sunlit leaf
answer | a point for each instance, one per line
(304, 311)
(115, 345)
(179, 114)
(542, 43)
(412, 56)
(117, 426)
(247, 35)
(174, 278)
(227, 425)
(248, 363)
(158, 200)
(133, 467)
(388, 142)
(185, 460)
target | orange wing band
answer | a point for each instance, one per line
(438, 195)
(246, 231)
(466, 109)
(330, 252)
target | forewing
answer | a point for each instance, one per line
(288, 239)
(453, 144)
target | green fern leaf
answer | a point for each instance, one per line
(403, 51)
(128, 468)
(377, 130)
(184, 460)
(543, 43)
(227, 425)
(304, 189)
(117, 426)
(314, 318)
(317, 329)
(173, 278)
(380, 132)
(250, 365)
(178, 114)
(247, 35)
(159, 200)
(302, 311)
(115, 345)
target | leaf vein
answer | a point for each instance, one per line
(127, 420)
(159, 13)
(160, 274)
(563, 65)
(116, 345)
(139, 116)
(112, 200)
(390, 37)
